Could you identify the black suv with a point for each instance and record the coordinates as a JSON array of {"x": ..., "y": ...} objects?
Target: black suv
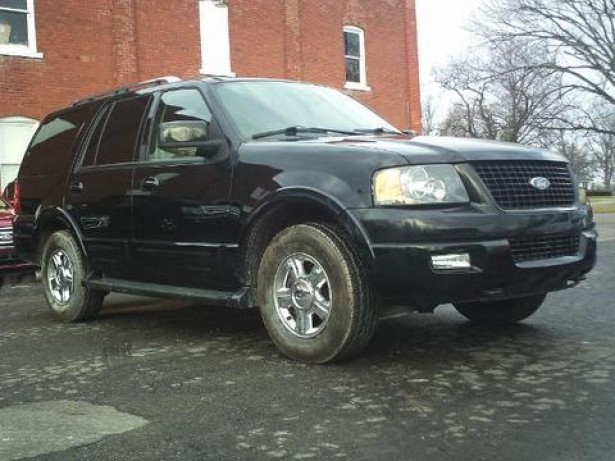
[{"x": 295, "y": 198}]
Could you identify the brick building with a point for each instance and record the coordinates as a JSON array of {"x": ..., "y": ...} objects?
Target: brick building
[{"x": 53, "y": 52}]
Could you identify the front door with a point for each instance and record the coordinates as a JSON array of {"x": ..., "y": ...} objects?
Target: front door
[
  {"x": 99, "y": 189},
  {"x": 181, "y": 214}
]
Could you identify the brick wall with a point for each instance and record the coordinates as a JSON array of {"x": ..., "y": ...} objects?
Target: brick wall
[{"x": 96, "y": 45}]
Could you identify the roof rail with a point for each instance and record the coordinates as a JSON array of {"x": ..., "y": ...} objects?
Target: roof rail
[{"x": 130, "y": 87}]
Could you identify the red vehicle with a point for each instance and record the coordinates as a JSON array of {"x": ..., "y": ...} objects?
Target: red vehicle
[{"x": 9, "y": 262}]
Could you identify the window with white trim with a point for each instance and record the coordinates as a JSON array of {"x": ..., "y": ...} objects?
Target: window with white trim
[
  {"x": 17, "y": 28},
  {"x": 215, "y": 38},
  {"x": 354, "y": 53}
]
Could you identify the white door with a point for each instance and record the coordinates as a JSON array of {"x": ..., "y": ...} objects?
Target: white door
[{"x": 15, "y": 134}]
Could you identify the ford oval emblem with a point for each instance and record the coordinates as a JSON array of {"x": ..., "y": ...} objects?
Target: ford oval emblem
[{"x": 540, "y": 183}]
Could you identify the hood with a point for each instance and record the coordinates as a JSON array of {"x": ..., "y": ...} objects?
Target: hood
[{"x": 426, "y": 149}]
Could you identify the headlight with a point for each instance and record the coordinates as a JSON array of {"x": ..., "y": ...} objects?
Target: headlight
[{"x": 419, "y": 185}]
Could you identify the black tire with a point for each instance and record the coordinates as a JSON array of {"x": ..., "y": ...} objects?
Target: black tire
[
  {"x": 83, "y": 303},
  {"x": 501, "y": 312},
  {"x": 353, "y": 313}
]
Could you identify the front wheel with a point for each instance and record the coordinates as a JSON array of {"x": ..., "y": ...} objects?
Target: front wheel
[
  {"x": 314, "y": 296},
  {"x": 63, "y": 271},
  {"x": 501, "y": 312}
]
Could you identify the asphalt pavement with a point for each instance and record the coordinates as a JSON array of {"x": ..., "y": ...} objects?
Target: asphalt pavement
[{"x": 166, "y": 380}]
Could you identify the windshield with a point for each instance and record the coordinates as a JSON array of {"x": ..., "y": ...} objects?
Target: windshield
[{"x": 258, "y": 108}]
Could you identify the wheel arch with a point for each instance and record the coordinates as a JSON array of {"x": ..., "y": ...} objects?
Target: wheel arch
[
  {"x": 51, "y": 220},
  {"x": 287, "y": 207}
]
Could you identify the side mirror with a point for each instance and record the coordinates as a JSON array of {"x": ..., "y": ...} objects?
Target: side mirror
[
  {"x": 187, "y": 135},
  {"x": 181, "y": 132}
]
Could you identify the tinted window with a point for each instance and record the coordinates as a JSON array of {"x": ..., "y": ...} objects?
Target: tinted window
[
  {"x": 183, "y": 105},
  {"x": 53, "y": 144},
  {"x": 121, "y": 133},
  {"x": 175, "y": 106},
  {"x": 90, "y": 153}
]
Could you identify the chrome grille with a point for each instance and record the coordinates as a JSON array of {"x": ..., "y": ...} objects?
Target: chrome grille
[
  {"x": 6, "y": 237},
  {"x": 509, "y": 183},
  {"x": 544, "y": 247}
]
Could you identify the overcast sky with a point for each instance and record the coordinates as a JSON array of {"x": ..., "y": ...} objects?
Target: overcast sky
[{"x": 441, "y": 33}]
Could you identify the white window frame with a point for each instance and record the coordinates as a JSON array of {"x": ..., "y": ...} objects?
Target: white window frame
[
  {"x": 362, "y": 85},
  {"x": 219, "y": 45},
  {"x": 29, "y": 50}
]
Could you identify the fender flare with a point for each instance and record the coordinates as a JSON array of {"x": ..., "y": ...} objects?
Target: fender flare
[
  {"x": 316, "y": 197},
  {"x": 59, "y": 215}
]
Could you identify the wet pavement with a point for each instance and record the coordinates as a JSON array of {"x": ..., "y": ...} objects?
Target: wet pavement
[{"x": 156, "y": 379}]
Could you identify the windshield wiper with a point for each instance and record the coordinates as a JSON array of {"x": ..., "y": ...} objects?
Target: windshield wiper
[
  {"x": 292, "y": 131},
  {"x": 380, "y": 130}
]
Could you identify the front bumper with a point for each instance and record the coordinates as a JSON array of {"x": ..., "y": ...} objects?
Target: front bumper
[{"x": 402, "y": 243}]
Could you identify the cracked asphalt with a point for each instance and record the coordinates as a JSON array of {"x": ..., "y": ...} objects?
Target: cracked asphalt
[{"x": 165, "y": 380}]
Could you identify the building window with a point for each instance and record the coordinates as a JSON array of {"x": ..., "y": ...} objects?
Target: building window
[
  {"x": 215, "y": 38},
  {"x": 354, "y": 46},
  {"x": 17, "y": 28}
]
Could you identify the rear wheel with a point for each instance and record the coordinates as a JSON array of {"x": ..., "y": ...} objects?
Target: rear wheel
[
  {"x": 314, "y": 296},
  {"x": 501, "y": 312},
  {"x": 63, "y": 272}
]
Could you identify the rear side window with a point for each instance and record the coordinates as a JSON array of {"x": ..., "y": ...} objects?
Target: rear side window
[
  {"x": 53, "y": 145},
  {"x": 120, "y": 135},
  {"x": 92, "y": 147}
]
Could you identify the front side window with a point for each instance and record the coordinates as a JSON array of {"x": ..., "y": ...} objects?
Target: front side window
[
  {"x": 121, "y": 134},
  {"x": 17, "y": 28},
  {"x": 354, "y": 53},
  {"x": 174, "y": 110}
]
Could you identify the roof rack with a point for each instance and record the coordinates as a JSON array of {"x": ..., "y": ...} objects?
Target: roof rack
[{"x": 130, "y": 87}]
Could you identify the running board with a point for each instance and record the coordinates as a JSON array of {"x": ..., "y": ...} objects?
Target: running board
[{"x": 238, "y": 299}]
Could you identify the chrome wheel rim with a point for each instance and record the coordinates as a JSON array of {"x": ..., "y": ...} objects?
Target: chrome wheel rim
[
  {"x": 60, "y": 277},
  {"x": 302, "y": 295}
]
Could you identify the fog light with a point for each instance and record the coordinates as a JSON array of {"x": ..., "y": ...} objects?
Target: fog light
[{"x": 451, "y": 261}]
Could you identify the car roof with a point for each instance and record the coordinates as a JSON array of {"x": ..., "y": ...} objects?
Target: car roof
[{"x": 163, "y": 83}]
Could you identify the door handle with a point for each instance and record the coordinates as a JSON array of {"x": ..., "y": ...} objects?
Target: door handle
[
  {"x": 150, "y": 183},
  {"x": 76, "y": 187}
]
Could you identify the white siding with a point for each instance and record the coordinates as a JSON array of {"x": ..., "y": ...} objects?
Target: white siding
[{"x": 15, "y": 134}]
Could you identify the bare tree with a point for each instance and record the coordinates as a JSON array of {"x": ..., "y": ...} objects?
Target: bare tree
[
  {"x": 574, "y": 147},
  {"x": 580, "y": 37},
  {"x": 603, "y": 153},
  {"x": 501, "y": 95},
  {"x": 459, "y": 122},
  {"x": 428, "y": 116}
]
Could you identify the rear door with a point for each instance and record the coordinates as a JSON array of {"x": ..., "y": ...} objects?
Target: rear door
[
  {"x": 98, "y": 195},
  {"x": 181, "y": 213}
]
